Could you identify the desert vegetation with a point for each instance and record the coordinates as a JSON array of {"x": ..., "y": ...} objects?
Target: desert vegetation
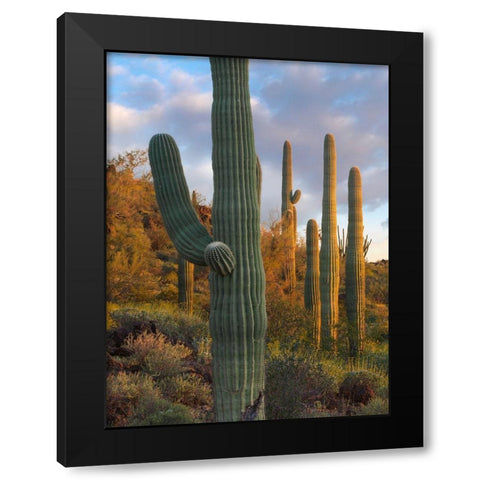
[{"x": 213, "y": 316}]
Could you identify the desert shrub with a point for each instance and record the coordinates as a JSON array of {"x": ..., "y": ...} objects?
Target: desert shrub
[
  {"x": 294, "y": 384},
  {"x": 283, "y": 395},
  {"x": 168, "y": 320},
  {"x": 154, "y": 410},
  {"x": 334, "y": 368},
  {"x": 189, "y": 389},
  {"x": 124, "y": 391},
  {"x": 377, "y": 358},
  {"x": 287, "y": 319},
  {"x": 377, "y": 406},
  {"x": 133, "y": 400},
  {"x": 375, "y": 364},
  {"x": 204, "y": 351},
  {"x": 376, "y": 281},
  {"x": 320, "y": 386},
  {"x": 155, "y": 355},
  {"x": 359, "y": 387},
  {"x": 376, "y": 317},
  {"x": 111, "y": 307}
]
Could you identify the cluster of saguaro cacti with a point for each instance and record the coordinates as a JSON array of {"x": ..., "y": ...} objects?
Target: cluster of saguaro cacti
[
  {"x": 312, "y": 279},
  {"x": 355, "y": 265},
  {"x": 289, "y": 216},
  {"x": 329, "y": 256},
  {"x": 237, "y": 278}
]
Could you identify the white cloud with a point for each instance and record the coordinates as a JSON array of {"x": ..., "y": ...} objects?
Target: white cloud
[
  {"x": 192, "y": 103},
  {"x": 117, "y": 70},
  {"x": 121, "y": 119}
]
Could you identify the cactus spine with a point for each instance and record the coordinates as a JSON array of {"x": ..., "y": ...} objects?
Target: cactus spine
[
  {"x": 329, "y": 255},
  {"x": 355, "y": 265},
  {"x": 185, "y": 285},
  {"x": 237, "y": 281},
  {"x": 289, "y": 216},
  {"x": 312, "y": 279}
]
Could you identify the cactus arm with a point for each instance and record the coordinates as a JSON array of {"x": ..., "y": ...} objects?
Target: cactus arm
[
  {"x": 186, "y": 231},
  {"x": 295, "y": 196}
]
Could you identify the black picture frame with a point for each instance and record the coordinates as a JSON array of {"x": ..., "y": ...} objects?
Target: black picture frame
[{"x": 83, "y": 40}]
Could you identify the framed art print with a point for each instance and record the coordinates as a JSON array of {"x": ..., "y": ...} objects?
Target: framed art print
[{"x": 240, "y": 241}]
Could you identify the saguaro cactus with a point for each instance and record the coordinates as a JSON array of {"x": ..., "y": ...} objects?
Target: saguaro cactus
[
  {"x": 366, "y": 245},
  {"x": 185, "y": 284},
  {"x": 343, "y": 242},
  {"x": 312, "y": 279},
  {"x": 355, "y": 265},
  {"x": 237, "y": 280},
  {"x": 289, "y": 216},
  {"x": 185, "y": 271},
  {"x": 329, "y": 255}
]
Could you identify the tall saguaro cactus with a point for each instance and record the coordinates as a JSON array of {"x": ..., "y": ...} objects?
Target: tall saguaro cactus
[
  {"x": 355, "y": 265},
  {"x": 312, "y": 279},
  {"x": 329, "y": 256},
  {"x": 237, "y": 280},
  {"x": 289, "y": 216}
]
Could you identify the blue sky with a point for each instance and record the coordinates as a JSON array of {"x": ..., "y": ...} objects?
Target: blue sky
[{"x": 295, "y": 101}]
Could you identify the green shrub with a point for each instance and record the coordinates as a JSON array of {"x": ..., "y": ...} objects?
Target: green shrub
[
  {"x": 376, "y": 282},
  {"x": 377, "y": 324},
  {"x": 376, "y": 360},
  {"x": 189, "y": 389},
  {"x": 168, "y": 320},
  {"x": 287, "y": 319},
  {"x": 133, "y": 400},
  {"x": 155, "y": 410},
  {"x": 110, "y": 323},
  {"x": 377, "y": 406},
  {"x": 124, "y": 391},
  {"x": 283, "y": 395},
  {"x": 294, "y": 384}
]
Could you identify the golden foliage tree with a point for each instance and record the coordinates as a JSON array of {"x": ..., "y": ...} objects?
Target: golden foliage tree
[{"x": 136, "y": 238}]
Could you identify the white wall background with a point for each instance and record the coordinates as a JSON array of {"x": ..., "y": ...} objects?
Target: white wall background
[{"x": 27, "y": 238}]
